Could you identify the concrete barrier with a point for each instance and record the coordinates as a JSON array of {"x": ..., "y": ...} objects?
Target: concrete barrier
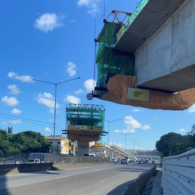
[
  {"x": 135, "y": 187},
  {"x": 78, "y": 165},
  {"x": 23, "y": 168},
  {"x": 27, "y": 168}
]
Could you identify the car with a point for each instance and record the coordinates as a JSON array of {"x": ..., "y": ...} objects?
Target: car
[
  {"x": 113, "y": 160},
  {"x": 124, "y": 161},
  {"x": 90, "y": 154},
  {"x": 140, "y": 162},
  {"x": 144, "y": 161},
  {"x": 31, "y": 161}
]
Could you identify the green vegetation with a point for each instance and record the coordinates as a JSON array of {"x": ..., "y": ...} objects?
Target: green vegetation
[
  {"x": 25, "y": 142},
  {"x": 173, "y": 143}
]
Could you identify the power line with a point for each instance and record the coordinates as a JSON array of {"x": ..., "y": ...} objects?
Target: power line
[
  {"x": 8, "y": 116},
  {"x": 24, "y": 118}
]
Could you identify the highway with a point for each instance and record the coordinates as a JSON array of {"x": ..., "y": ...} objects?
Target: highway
[{"x": 108, "y": 179}]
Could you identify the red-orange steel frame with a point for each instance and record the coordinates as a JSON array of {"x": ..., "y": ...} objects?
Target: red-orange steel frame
[{"x": 115, "y": 12}]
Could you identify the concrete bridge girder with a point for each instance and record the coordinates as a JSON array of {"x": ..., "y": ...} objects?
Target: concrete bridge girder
[{"x": 168, "y": 55}]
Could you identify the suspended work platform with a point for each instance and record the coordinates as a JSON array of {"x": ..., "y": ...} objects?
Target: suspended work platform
[{"x": 85, "y": 122}]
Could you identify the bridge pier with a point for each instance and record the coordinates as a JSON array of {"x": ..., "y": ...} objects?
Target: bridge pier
[{"x": 83, "y": 148}]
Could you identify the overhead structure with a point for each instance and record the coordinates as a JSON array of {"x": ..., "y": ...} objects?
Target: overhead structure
[
  {"x": 115, "y": 59},
  {"x": 85, "y": 122}
]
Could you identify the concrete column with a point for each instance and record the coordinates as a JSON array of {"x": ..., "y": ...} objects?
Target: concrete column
[{"x": 83, "y": 148}]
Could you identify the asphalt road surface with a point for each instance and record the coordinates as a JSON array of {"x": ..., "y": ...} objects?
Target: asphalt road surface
[{"x": 101, "y": 180}]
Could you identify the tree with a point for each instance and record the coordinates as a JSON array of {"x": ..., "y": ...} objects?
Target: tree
[
  {"x": 24, "y": 142},
  {"x": 172, "y": 144}
]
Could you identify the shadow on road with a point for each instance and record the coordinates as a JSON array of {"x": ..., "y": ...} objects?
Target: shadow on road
[
  {"x": 21, "y": 168},
  {"x": 3, "y": 186},
  {"x": 119, "y": 188}
]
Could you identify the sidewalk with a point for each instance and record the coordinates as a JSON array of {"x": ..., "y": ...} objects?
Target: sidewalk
[{"x": 157, "y": 190}]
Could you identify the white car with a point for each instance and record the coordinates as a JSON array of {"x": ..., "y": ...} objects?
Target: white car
[
  {"x": 31, "y": 161},
  {"x": 124, "y": 161},
  {"x": 113, "y": 160}
]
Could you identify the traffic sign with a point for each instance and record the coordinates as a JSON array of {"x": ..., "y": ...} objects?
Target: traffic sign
[{"x": 89, "y": 96}]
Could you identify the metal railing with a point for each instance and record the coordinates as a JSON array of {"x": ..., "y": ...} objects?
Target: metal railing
[
  {"x": 179, "y": 174},
  {"x": 19, "y": 158},
  {"x": 132, "y": 18}
]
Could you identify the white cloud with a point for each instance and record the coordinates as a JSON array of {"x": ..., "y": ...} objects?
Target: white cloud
[
  {"x": 136, "y": 110},
  {"x": 47, "y": 99},
  {"x": 182, "y": 130},
  {"x": 23, "y": 78},
  {"x": 72, "y": 99},
  {"x": 12, "y": 122},
  {"x": 145, "y": 127},
  {"x": 131, "y": 122},
  {"x": 92, "y": 5},
  {"x": 11, "y": 74},
  {"x": 78, "y": 91},
  {"x": 125, "y": 131},
  {"x": 192, "y": 108},
  {"x": 10, "y": 101},
  {"x": 131, "y": 125},
  {"x": 50, "y": 120},
  {"x": 16, "y": 111},
  {"x": 14, "y": 89},
  {"x": 47, "y": 129},
  {"x": 71, "y": 68},
  {"x": 48, "y": 22},
  {"x": 90, "y": 84}
]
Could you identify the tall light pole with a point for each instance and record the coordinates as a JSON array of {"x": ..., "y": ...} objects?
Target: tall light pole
[
  {"x": 55, "y": 84},
  {"x": 109, "y": 132},
  {"x": 109, "y": 126},
  {"x": 126, "y": 137},
  {"x": 134, "y": 145}
]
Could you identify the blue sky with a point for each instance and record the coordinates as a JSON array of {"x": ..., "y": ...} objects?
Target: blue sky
[{"x": 54, "y": 41}]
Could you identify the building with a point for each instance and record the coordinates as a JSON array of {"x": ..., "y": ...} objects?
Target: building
[{"x": 62, "y": 145}]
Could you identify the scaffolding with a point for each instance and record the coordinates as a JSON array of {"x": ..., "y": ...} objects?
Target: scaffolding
[
  {"x": 85, "y": 122},
  {"x": 110, "y": 61}
]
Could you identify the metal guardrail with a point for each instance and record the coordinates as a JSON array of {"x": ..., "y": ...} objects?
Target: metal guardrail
[{"x": 179, "y": 174}]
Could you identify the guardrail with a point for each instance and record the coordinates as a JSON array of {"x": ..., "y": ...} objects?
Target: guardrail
[{"x": 178, "y": 174}]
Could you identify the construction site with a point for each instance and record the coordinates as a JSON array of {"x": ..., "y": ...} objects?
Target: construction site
[
  {"x": 85, "y": 124},
  {"x": 130, "y": 68}
]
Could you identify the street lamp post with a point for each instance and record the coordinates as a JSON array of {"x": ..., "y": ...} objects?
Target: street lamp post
[
  {"x": 126, "y": 137},
  {"x": 134, "y": 145},
  {"x": 109, "y": 132},
  {"x": 55, "y": 84},
  {"x": 109, "y": 126}
]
